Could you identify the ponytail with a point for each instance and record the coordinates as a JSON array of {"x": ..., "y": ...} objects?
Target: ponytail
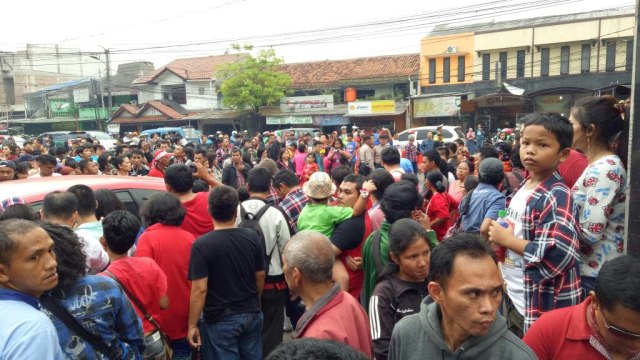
[{"x": 435, "y": 178}]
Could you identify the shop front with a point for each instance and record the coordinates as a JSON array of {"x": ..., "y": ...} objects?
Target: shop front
[
  {"x": 500, "y": 110},
  {"x": 437, "y": 109},
  {"x": 367, "y": 115}
]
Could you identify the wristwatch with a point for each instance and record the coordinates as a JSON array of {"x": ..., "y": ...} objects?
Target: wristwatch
[{"x": 364, "y": 193}]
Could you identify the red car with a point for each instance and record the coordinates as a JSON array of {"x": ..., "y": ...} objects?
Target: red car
[{"x": 132, "y": 191}]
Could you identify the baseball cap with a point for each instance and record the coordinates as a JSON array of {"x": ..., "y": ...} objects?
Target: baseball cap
[
  {"x": 8, "y": 163},
  {"x": 319, "y": 186},
  {"x": 159, "y": 154},
  {"x": 490, "y": 166},
  {"x": 4, "y": 204}
]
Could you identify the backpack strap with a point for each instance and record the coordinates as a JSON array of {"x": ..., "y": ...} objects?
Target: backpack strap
[
  {"x": 375, "y": 248},
  {"x": 97, "y": 343}
]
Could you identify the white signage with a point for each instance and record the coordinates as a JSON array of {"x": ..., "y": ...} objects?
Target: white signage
[
  {"x": 292, "y": 104},
  {"x": 113, "y": 128},
  {"x": 81, "y": 95}
]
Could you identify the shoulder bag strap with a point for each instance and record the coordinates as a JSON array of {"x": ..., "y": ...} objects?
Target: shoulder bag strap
[
  {"x": 61, "y": 313},
  {"x": 135, "y": 301}
]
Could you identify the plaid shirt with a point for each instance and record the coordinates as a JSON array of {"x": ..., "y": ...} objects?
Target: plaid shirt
[
  {"x": 551, "y": 259},
  {"x": 292, "y": 205},
  {"x": 411, "y": 152},
  {"x": 98, "y": 303}
]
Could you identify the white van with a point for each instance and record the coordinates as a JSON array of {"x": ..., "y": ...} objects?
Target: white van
[{"x": 451, "y": 134}]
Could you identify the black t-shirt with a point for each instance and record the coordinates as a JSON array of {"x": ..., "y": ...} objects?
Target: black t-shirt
[
  {"x": 349, "y": 233},
  {"x": 229, "y": 258}
]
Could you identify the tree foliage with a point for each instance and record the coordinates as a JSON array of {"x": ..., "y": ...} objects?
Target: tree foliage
[{"x": 252, "y": 82}]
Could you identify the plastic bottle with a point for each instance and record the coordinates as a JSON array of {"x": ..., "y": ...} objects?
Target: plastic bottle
[{"x": 501, "y": 251}]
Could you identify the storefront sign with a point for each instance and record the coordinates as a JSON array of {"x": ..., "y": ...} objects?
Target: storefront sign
[
  {"x": 436, "y": 106},
  {"x": 81, "y": 95},
  {"x": 553, "y": 103},
  {"x": 499, "y": 100},
  {"x": 371, "y": 107},
  {"x": 289, "y": 120},
  {"x": 296, "y": 103},
  {"x": 330, "y": 120}
]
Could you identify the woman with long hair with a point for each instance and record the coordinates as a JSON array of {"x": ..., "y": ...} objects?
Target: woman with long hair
[
  {"x": 337, "y": 155},
  {"x": 104, "y": 164},
  {"x": 107, "y": 202},
  {"x": 441, "y": 206},
  {"x": 403, "y": 283},
  {"x": 599, "y": 193},
  {"x": 214, "y": 168},
  {"x": 105, "y": 311},
  {"x": 284, "y": 160}
]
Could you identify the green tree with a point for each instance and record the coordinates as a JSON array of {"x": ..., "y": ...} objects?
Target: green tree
[{"x": 253, "y": 82}]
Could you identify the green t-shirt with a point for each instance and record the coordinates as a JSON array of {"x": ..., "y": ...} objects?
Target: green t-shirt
[
  {"x": 369, "y": 264},
  {"x": 322, "y": 218}
]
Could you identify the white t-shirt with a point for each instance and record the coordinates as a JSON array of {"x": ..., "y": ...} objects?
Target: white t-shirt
[{"x": 513, "y": 265}]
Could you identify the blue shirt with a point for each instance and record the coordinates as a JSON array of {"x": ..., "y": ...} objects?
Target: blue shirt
[
  {"x": 99, "y": 304},
  {"x": 486, "y": 201},
  {"x": 26, "y": 333}
]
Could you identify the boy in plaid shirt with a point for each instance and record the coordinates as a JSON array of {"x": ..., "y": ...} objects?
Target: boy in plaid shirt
[
  {"x": 411, "y": 153},
  {"x": 541, "y": 263}
]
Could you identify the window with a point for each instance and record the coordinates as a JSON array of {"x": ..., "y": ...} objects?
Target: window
[
  {"x": 503, "y": 65},
  {"x": 629, "y": 63},
  {"x": 544, "y": 62},
  {"x": 365, "y": 94},
  {"x": 432, "y": 71},
  {"x": 585, "y": 58},
  {"x": 564, "y": 60},
  {"x": 486, "y": 66},
  {"x": 200, "y": 91},
  {"x": 446, "y": 70},
  {"x": 175, "y": 93},
  {"x": 520, "y": 64},
  {"x": 461, "y": 68},
  {"x": 610, "y": 64}
]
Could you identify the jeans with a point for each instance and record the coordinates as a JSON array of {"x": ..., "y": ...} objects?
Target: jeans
[{"x": 236, "y": 336}]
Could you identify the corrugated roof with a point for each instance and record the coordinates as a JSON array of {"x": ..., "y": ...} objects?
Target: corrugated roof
[
  {"x": 199, "y": 68},
  {"x": 478, "y": 28},
  {"x": 334, "y": 72}
]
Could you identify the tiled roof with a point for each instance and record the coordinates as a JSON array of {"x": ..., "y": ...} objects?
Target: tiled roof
[
  {"x": 164, "y": 108},
  {"x": 200, "y": 68},
  {"x": 371, "y": 69}
]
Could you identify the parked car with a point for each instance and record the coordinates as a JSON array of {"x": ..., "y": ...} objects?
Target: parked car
[
  {"x": 451, "y": 134},
  {"x": 19, "y": 140},
  {"x": 189, "y": 133},
  {"x": 64, "y": 138},
  {"x": 132, "y": 191},
  {"x": 105, "y": 139}
]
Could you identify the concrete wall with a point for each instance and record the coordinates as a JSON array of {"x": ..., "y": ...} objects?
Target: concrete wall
[
  {"x": 200, "y": 100},
  {"x": 437, "y": 47}
]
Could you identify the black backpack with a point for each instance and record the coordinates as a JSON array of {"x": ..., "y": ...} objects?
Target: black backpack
[{"x": 251, "y": 221}]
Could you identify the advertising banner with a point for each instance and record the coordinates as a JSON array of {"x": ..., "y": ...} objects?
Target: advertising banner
[
  {"x": 297, "y": 103},
  {"x": 81, "y": 95},
  {"x": 289, "y": 120},
  {"x": 436, "y": 106},
  {"x": 371, "y": 107}
]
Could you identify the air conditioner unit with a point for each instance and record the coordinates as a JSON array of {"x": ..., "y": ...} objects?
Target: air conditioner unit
[{"x": 452, "y": 49}]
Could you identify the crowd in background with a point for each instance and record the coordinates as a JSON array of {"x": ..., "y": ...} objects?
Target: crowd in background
[{"x": 506, "y": 246}]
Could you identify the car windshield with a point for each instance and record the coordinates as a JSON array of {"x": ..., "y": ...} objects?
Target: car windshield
[{"x": 101, "y": 136}]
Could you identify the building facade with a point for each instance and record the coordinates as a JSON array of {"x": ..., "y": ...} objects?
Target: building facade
[{"x": 498, "y": 72}]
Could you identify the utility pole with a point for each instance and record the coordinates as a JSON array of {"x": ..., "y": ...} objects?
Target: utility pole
[{"x": 110, "y": 100}]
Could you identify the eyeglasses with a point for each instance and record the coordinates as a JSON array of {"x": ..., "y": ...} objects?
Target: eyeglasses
[{"x": 619, "y": 332}]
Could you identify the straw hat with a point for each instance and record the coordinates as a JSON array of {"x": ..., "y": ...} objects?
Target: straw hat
[{"x": 319, "y": 186}]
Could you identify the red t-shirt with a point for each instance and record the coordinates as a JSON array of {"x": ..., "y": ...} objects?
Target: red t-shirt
[
  {"x": 573, "y": 167},
  {"x": 170, "y": 247},
  {"x": 197, "y": 221},
  {"x": 440, "y": 206},
  {"x": 154, "y": 172},
  {"x": 145, "y": 280}
]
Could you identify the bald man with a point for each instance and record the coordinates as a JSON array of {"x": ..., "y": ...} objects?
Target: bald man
[{"x": 332, "y": 314}]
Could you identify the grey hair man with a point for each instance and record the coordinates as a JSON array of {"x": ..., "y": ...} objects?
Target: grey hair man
[{"x": 331, "y": 314}]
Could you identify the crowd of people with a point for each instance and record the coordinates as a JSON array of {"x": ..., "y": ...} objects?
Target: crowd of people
[{"x": 508, "y": 250}]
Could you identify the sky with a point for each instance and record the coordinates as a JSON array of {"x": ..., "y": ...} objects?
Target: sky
[{"x": 299, "y": 31}]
